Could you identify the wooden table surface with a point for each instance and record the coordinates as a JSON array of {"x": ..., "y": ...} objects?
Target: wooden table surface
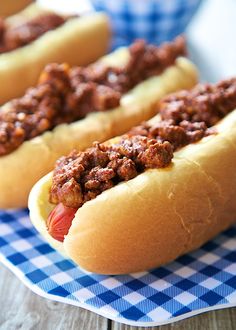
[{"x": 22, "y": 309}]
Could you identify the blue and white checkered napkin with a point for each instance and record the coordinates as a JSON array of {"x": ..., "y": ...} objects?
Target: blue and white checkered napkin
[
  {"x": 202, "y": 280},
  {"x": 154, "y": 20}
]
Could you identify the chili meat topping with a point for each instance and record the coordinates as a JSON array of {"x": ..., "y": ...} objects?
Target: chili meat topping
[
  {"x": 64, "y": 95},
  {"x": 12, "y": 38},
  {"x": 186, "y": 117}
]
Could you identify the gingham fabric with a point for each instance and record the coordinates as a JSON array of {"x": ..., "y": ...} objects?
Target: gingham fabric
[
  {"x": 154, "y": 20},
  {"x": 194, "y": 283}
]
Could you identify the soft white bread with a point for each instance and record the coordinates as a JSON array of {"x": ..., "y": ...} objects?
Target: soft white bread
[
  {"x": 34, "y": 158},
  {"x": 155, "y": 217},
  {"x": 11, "y": 7},
  {"x": 78, "y": 41}
]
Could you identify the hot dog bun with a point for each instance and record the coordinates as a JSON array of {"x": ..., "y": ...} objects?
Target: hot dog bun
[
  {"x": 11, "y": 7},
  {"x": 155, "y": 217},
  {"x": 78, "y": 41},
  {"x": 36, "y": 157}
]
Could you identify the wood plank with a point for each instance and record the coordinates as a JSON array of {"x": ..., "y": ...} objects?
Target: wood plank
[
  {"x": 224, "y": 319},
  {"x": 22, "y": 309}
]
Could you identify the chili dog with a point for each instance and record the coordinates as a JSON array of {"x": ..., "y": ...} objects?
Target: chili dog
[
  {"x": 72, "y": 107},
  {"x": 140, "y": 200},
  {"x": 37, "y": 36}
]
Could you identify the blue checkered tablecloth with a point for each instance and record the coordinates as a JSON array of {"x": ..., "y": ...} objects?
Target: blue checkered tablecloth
[
  {"x": 154, "y": 20},
  {"x": 202, "y": 280}
]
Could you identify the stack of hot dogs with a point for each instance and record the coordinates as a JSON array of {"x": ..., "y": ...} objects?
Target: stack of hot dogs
[{"x": 127, "y": 193}]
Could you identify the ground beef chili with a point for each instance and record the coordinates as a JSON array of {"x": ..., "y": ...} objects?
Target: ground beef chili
[
  {"x": 15, "y": 37},
  {"x": 84, "y": 175},
  {"x": 64, "y": 95},
  {"x": 186, "y": 117},
  {"x": 205, "y": 103}
]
